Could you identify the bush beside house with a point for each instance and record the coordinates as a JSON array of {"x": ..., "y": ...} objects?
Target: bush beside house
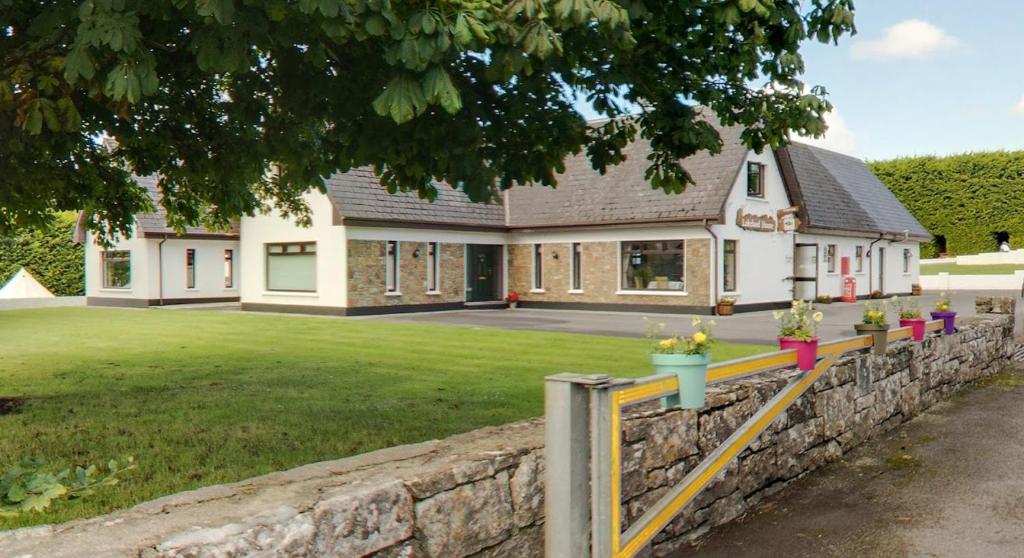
[
  {"x": 966, "y": 199},
  {"x": 49, "y": 254}
]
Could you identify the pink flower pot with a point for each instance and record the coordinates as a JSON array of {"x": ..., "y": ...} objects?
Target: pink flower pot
[
  {"x": 806, "y": 351},
  {"x": 916, "y": 326}
]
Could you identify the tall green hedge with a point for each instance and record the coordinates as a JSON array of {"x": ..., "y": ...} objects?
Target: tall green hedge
[
  {"x": 49, "y": 254},
  {"x": 965, "y": 198}
]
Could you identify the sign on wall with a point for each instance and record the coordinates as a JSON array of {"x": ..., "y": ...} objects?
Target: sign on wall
[{"x": 784, "y": 220}]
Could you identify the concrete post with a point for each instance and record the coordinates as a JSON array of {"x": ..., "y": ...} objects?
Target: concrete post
[{"x": 567, "y": 464}]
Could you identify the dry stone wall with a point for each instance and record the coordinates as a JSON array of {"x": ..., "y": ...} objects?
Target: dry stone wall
[{"x": 481, "y": 494}]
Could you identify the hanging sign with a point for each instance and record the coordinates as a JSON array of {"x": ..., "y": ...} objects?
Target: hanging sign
[{"x": 784, "y": 220}]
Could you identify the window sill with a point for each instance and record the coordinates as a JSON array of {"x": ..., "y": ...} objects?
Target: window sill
[
  {"x": 301, "y": 294},
  {"x": 575, "y": 291},
  {"x": 433, "y": 293},
  {"x": 757, "y": 199},
  {"x": 731, "y": 293},
  {"x": 653, "y": 293},
  {"x": 116, "y": 290},
  {"x": 537, "y": 291},
  {"x": 396, "y": 293}
]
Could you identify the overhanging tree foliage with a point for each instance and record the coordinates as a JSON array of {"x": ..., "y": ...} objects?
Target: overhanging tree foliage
[
  {"x": 964, "y": 198},
  {"x": 212, "y": 94}
]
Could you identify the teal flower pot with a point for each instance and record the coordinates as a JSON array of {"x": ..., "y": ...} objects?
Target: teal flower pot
[{"x": 692, "y": 371}]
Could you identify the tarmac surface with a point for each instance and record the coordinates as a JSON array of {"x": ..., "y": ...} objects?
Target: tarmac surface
[
  {"x": 747, "y": 327},
  {"x": 946, "y": 484}
]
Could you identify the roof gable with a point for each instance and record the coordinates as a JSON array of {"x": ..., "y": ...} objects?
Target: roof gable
[
  {"x": 840, "y": 192},
  {"x": 155, "y": 224}
]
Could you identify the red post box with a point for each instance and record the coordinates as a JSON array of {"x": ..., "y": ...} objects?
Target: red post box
[{"x": 849, "y": 289}]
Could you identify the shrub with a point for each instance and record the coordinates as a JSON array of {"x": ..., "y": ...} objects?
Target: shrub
[
  {"x": 965, "y": 198},
  {"x": 49, "y": 254}
]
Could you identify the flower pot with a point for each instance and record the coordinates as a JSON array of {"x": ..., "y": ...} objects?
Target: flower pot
[
  {"x": 948, "y": 321},
  {"x": 692, "y": 371},
  {"x": 879, "y": 336},
  {"x": 915, "y": 290},
  {"x": 725, "y": 309},
  {"x": 806, "y": 351},
  {"x": 916, "y": 326},
  {"x": 513, "y": 304}
]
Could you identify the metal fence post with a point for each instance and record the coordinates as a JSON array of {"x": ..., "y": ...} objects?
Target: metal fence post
[{"x": 567, "y": 464}]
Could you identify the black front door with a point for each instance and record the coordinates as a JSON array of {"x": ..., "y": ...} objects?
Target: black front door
[{"x": 483, "y": 273}]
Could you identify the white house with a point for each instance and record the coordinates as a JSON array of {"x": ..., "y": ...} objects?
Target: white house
[
  {"x": 156, "y": 266},
  {"x": 762, "y": 228}
]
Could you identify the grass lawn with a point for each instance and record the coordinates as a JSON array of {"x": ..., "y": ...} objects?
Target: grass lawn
[
  {"x": 202, "y": 397},
  {"x": 954, "y": 269}
]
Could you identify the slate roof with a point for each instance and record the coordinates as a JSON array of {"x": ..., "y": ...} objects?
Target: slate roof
[
  {"x": 156, "y": 223},
  {"x": 622, "y": 195},
  {"x": 839, "y": 192},
  {"x": 358, "y": 196}
]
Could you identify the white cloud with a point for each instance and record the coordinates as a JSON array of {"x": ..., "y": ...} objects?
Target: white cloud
[
  {"x": 912, "y": 38},
  {"x": 1019, "y": 107},
  {"x": 838, "y": 137}
]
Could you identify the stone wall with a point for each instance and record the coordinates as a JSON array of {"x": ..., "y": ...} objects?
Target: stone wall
[
  {"x": 366, "y": 269},
  {"x": 480, "y": 494},
  {"x": 600, "y": 275}
]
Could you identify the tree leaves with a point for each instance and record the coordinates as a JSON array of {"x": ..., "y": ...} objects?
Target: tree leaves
[
  {"x": 27, "y": 487},
  {"x": 212, "y": 94}
]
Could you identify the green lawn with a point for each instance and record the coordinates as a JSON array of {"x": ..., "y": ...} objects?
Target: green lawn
[
  {"x": 954, "y": 269},
  {"x": 201, "y": 398}
]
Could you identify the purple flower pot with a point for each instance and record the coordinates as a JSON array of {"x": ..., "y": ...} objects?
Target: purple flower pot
[
  {"x": 916, "y": 327},
  {"x": 948, "y": 321},
  {"x": 806, "y": 351}
]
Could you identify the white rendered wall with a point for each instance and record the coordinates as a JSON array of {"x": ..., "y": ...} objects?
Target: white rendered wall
[
  {"x": 946, "y": 282},
  {"x": 896, "y": 281},
  {"x": 209, "y": 264},
  {"x": 992, "y": 258},
  {"x": 331, "y": 276},
  {"x": 140, "y": 265},
  {"x": 764, "y": 260}
]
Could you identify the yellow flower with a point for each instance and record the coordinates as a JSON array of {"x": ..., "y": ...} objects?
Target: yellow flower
[
  {"x": 667, "y": 343},
  {"x": 699, "y": 337},
  {"x": 818, "y": 316}
]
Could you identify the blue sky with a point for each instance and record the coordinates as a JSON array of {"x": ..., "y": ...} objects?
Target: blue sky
[{"x": 924, "y": 77}]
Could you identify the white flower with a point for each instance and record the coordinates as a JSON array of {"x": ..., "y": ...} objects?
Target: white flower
[
  {"x": 778, "y": 314},
  {"x": 695, "y": 321}
]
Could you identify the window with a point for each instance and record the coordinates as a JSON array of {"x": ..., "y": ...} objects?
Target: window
[
  {"x": 859, "y": 257},
  {"x": 830, "y": 257},
  {"x": 117, "y": 269},
  {"x": 907, "y": 256},
  {"x": 391, "y": 267},
  {"x": 538, "y": 267},
  {"x": 575, "y": 261},
  {"x": 653, "y": 266},
  {"x": 729, "y": 265},
  {"x": 291, "y": 267},
  {"x": 190, "y": 268},
  {"x": 755, "y": 180},
  {"x": 229, "y": 269},
  {"x": 432, "y": 268}
]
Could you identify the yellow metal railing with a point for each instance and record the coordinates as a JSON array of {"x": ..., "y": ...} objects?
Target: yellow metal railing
[{"x": 625, "y": 392}]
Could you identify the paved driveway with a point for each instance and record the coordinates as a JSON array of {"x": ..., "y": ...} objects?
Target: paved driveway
[{"x": 750, "y": 327}]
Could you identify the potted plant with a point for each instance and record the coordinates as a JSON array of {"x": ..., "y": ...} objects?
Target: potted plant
[
  {"x": 512, "y": 299},
  {"x": 876, "y": 294},
  {"x": 915, "y": 289},
  {"x": 910, "y": 316},
  {"x": 943, "y": 311},
  {"x": 687, "y": 358},
  {"x": 726, "y": 306},
  {"x": 874, "y": 323},
  {"x": 823, "y": 299},
  {"x": 797, "y": 329},
  {"x": 643, "y": 276}
]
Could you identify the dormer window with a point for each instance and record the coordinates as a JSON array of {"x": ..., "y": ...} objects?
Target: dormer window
[{"x": 755, "y": 180}]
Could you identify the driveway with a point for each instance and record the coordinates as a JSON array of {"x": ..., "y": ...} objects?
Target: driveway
[
  {"x": 946, "y": 484},
  {"x": 749, "y": 327},
  {"x": 23, "y": 303}
]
